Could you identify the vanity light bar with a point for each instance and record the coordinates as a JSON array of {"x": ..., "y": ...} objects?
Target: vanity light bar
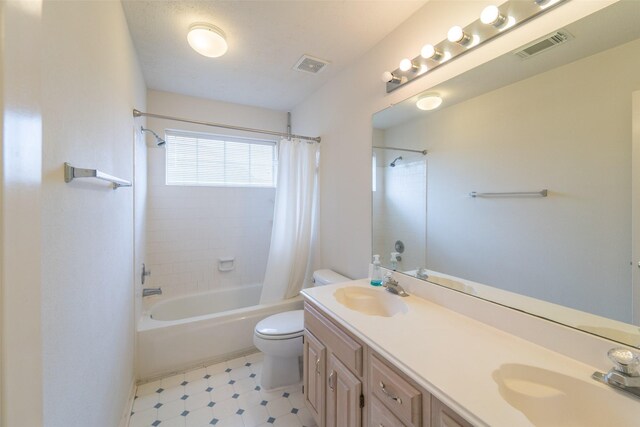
[{"x": 494, "y": 21}]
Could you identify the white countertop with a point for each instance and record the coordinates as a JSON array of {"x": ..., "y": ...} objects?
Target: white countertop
[{"x": 454, "y": 357}]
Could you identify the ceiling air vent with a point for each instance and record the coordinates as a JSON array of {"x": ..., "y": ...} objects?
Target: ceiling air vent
[
  {"x": 309, "y": 64},
  {"x": 541, "y": 45}
]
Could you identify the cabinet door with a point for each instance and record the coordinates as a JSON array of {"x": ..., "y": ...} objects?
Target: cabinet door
[
  {"x": 343, "y": 396},
  {"x": 443, "y": 416},
  {"x": 314, "y": 374}
]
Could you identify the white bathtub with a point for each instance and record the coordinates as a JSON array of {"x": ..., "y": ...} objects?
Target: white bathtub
[{"x": 185, "y": 332}]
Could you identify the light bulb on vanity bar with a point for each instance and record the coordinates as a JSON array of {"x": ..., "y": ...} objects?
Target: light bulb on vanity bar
[
  {"x": 406, "y": 64},
  {"x": 491, "y": 16},
  {"x": 388, "y": 77},
  {"x": 430, "y": 52},
  {"x": 457, "y": 35}
]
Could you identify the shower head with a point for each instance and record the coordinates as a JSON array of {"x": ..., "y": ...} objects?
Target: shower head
[
  {"x": 159, "y": 141},
  {"x": 393, "y": 164}
]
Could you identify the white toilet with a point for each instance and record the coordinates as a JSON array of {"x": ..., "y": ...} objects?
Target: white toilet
[{"x": 279, "y": 337}]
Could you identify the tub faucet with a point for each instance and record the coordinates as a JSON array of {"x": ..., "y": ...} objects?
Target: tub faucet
[
  {"x": 151, "y": 291},
  {"x": 392, "y": 286},
  {"x": 625, "y": 374}
]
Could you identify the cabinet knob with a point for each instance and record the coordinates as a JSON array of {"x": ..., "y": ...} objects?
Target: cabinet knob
[
  {"x": 318, "y": 366},
  {"x": 331, "y": 375}
]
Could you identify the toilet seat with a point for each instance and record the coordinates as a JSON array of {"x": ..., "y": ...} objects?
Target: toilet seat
[
  {"x": 279, "y": 337},
  {"x": 281, "y": 326}
]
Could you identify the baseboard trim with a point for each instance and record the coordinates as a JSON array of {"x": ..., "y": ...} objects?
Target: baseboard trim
[
  {"x": 200, "y": 364},
  {"x": 128, "y": 408}
]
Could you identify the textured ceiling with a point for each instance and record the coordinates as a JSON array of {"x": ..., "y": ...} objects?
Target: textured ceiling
[{"x": 266, "y": 39}]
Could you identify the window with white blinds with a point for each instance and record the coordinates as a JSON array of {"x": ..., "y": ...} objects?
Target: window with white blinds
[{"x": 215, "y": 160}]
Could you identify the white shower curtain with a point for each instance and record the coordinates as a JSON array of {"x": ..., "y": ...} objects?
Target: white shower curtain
[{"x": 294, "y": 221}]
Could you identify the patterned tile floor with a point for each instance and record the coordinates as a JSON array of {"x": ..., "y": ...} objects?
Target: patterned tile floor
[{"x": 224, "y": 394}]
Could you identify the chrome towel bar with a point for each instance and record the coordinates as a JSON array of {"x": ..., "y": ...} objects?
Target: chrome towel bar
[
  {"x": 541, "y": 193},
  {"x": 71, "y": 172}
]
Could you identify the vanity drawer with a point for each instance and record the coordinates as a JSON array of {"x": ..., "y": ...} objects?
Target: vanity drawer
[
  {"x": 381, "y": 416},
  {"x": 348, "y": 350},
  {"x": 443, "y": 416},
  {"x": 404, "y": 400}
]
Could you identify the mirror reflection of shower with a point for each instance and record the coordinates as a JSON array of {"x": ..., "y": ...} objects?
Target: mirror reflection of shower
[
  {"x": 393, "y": 164},
  {"x": 399, "y": 197}
]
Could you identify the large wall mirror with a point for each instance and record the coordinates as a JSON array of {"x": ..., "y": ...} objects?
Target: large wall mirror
[{"x": 551, "y": 116}]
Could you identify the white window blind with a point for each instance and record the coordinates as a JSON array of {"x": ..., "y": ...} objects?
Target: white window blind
[{"x": 204, "y": 159}]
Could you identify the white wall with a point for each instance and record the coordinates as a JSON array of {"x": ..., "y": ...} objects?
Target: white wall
[
  {"x": 565, "y": 137},
  {"x": 341, "y": 113},
  {"x": 139, "y": 209},
  {"x": 21, "y": 204},
  {"x": 81, "y": 353},
  {"x": 190, "y": 227}
]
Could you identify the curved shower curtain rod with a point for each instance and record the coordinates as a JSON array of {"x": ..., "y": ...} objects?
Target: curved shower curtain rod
[{"x": 138, "y": 113}]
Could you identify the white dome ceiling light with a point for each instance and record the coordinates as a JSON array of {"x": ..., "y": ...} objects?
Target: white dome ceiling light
[
  {"x": 208, "y": 40},
  {"x": 429, "y": 102}
]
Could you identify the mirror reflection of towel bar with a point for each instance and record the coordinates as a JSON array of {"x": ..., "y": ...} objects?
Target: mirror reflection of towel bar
[{"x": 541, "y": 193}]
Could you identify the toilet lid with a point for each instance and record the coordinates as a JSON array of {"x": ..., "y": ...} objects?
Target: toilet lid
[{"x": 287, "y": 323}]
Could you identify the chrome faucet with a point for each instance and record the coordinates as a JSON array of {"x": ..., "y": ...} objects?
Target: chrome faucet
[
  {"x": 422, "y": 274},
  {"x": 392, "y": 286},
  {"x": 625, "y": 374},
  {"x": 145, "y": 272},
  {"x": 151, "y": 291}
]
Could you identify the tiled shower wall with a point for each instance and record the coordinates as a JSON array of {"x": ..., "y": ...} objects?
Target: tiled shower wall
[{"x": 189, "y": 228}]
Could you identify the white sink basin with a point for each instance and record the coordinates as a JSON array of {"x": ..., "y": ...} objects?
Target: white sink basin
[
  {"x": 374, "y": 302},
  {"x": 549, "y": 398}
]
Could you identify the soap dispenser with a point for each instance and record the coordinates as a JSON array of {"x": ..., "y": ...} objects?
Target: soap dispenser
[
  {"x": 376, "y": 272},
  {"x": 395, "y": 257}
]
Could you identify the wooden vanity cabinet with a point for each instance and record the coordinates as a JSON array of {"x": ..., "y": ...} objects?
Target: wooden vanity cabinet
[
  {"x": 396, "y": 392},
  {"x": 346, "y": 384},
  {"x": 344, "y": 396},
  {"x": 333, "y": 372},
  {"x": 443, "y": 416},
  {"x": 314, "y": 358}
]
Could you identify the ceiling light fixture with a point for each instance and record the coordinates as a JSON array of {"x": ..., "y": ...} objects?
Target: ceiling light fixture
[
  {"x": 429, "y": 102},
  {"x": 208, "y": 40},
  {"x": 494, "y": 21},
  {"x": 388, "y": 76},
  {"x": 406, "y": 64},
  {"x": 491, "y": 16},
  {"x": 430, "y": 52},
  {"x": 545, "y": 3},
  {"x": 457, "y": 35}
]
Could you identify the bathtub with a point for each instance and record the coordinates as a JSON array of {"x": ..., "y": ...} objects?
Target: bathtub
[{"x": 185, "y": 332}]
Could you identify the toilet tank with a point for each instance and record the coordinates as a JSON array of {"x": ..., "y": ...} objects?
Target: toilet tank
[{"x": 327, "y": 277}]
